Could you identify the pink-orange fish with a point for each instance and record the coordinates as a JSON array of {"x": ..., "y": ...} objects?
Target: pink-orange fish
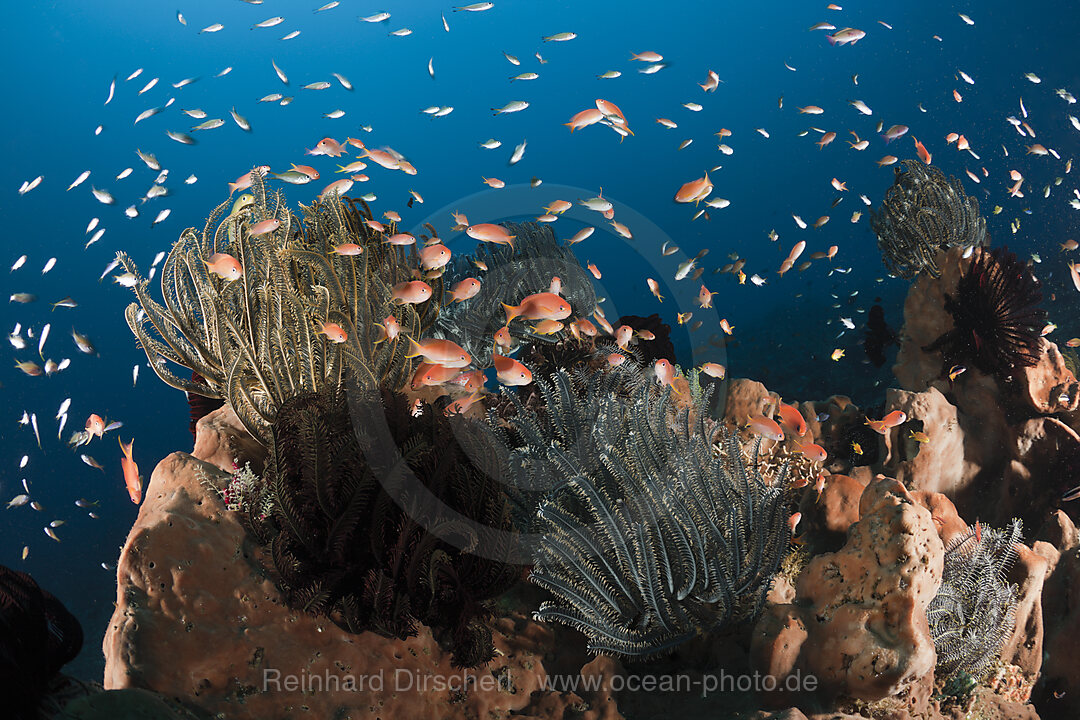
[
  {"x": 439, "y": 352},
  {"x": 389, "y": 329},
  {"x": 95, "y": 425},
  {"x": 921, "y": 150},
  {"x": 665, "y": 373},
  {"x": 264, "y": 226},
  {"x": 539, "y": 306},
  {"x": 715, "y": 370},
  {"x": 584, "y": 119},
  {"x": 410, "y": 293},
  {"x": 348, "y": 249},
  {"x": 812, "y": 451},
  {"x": 492, "y": 233},
  {"x": 694, "y": 191},
  {"x": 502, "y": 337},
  {"x": 225, "y": 266},
  {"x": 510, "y": 372},
  {"x": 896, "y": 417},
  {"x": 429, "y": 374},
  {"x": 244, "y": 181},
  {"x": 132, "y": 481},
  {"x": 327, "y": 146},
  {"x": 465, "y": 289},
  {"x": 333, "y": 332},
  {"x": 766, "y": 427},
  {"x": 792, "y": 419},
  {"x": 434, "y": 257}
]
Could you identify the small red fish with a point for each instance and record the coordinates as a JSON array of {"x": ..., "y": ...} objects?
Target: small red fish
[
  {"x": 925, "y": 156},
  {"x": 131, "y": 472},
  {"x": 896, "y": 417}
]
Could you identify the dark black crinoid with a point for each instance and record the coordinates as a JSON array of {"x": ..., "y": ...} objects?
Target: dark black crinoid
[
  {"x": 387, "y": 527},
  {"x": 997, "y": 320},
  {"x": 38, "y": 636}
]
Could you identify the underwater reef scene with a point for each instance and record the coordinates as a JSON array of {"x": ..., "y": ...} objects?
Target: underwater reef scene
[{"x": 514, "y": 450}]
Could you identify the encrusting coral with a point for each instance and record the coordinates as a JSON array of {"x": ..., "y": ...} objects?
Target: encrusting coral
[
  {"x": 254, "y": 340},
  {"x": 924, "y": 212},
  {"x": 649, "y": 537}
]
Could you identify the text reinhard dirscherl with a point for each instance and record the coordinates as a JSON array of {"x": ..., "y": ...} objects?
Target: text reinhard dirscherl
[{"x": 406, "y": 680}]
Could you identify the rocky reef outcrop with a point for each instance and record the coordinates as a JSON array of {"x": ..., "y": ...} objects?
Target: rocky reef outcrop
[{"x": 198, "y": 616}]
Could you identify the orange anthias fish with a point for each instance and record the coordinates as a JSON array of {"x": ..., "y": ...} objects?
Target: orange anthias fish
[
  {"x": 510, "y": 371},
  {"x": 694, "y": 191},
  {"x": 471, "y": 381},
  {"x": 812, "y": 451},
  {"x": 412, "y": 292},
  {"x": 665, "y": 373},
  {"x": 766, "y": 427},
  {"x": 715, "y": 370},
  {"x": 465, "y": 289},
  {"x": 540, "y": 306},
  {"x": 896, "y": 417},
  {"x": 492, "y": 233},
  {"x": 439, "y": 352},
  {"x": 306, "y": 170},
  {"x": 389, "y": 329},
  {"x": 925, "y": 156},
  {"x": 95, "y": 425},
  {"x": 584, "y": 119},
  {"x": 333, "y": 332},
  {"x": 263, "y": 227},
  {"x": 428, "y": 374},
  {"x": 792, "y": 419},
  {"x": 327, "y": 146},
  {"x": 433, "y": 257},
  {"x": 131, "y": 472},
  {"x": 244, "y": 181},
  {"x": 348, "y": 249},
  {"x": 225, "y": 266}
]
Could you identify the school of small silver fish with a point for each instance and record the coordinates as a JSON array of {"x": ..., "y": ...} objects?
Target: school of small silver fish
[{"x": 828, "y": 137}]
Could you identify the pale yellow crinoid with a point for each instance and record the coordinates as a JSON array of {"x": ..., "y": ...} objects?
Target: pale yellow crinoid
[{"x": 255, "y": 341}]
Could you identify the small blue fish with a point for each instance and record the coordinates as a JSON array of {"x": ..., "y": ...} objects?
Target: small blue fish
[{"x": 822, "y": 417}]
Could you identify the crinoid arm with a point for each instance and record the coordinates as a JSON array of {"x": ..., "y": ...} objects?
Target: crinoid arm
[{"x": 648, "y": 536}]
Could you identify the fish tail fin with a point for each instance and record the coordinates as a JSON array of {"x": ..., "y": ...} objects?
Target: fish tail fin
[
  {"x": 511, "y": 311},
  {"x": 415, "y": 349}
]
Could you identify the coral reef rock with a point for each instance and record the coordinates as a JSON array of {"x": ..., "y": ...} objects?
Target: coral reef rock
[
  {"x": 1048, "y": 386},
  {"x": 858, "y": 624},
  {"x": 937, "y": 465},
  {"x": 197, "y": 617},
  {"x": 1057, "y": 694}
]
